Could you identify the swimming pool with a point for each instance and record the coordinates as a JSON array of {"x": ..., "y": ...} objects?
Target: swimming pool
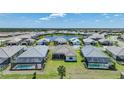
[
  {"x": 52, "y": 38},
  {"x": 24, "y": 66}
]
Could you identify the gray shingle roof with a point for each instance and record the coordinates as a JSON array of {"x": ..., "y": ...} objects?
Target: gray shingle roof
[
  {"x": 116, "y": 50},
  {"x": 2, "y": 60},
  {"x": 90, "y": 51},
  {"x": 37, "y": 51},
  {"x": 33, "y": 55},
  {"x": 64, "y": 49},
  {"x": 89, "y": 40},
  {"x": 11, "y": 50},
  {"x": 60, "y": 40}
]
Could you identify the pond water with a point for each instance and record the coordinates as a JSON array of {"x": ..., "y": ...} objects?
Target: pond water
[{"x": 52, "y": 38}]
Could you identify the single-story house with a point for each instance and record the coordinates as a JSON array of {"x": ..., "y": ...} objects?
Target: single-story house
[
  {"x": 15, "y": 41},
  {"x": 94, "y": 58},
  {"x": 43, "y": 41},
  {"x": 64, "y": 52},
  {"x": 97, "y": 36},
  {"x": 36, "y": 36},
  {"x": 8, "y": 55},
  {"x": 74, "y": 41},
  {"x": 89, "y": 41},
  {"x": 116, "y": 52},
  {"x": 31, "y": 59},
  {"x": 86, "y": 35},
  {"x": 28, "y": 42},
  {"x": 105, "y": 42},
  {"x": 60, "y": 41}
]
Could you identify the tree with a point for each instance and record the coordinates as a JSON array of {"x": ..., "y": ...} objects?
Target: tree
[
  {"x": 34, "y": 75},
  {"x": 61, "y": 71}
]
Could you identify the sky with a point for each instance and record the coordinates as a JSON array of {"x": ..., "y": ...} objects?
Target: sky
[{"x": 61, "y": 20}]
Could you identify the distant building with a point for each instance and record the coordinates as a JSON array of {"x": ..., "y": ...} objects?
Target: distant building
[
  {"x": 28, "y": 42},
  {"x": 105, "y": 42},
  {"x": 89, "y": 41},
  {"x": 43, "y": 41},
  {"x": 15, "y": 41},
  {"x": 74, "y": 41},
  {"x": 60, "y": 41},
  {"x": 97, "y": 36}
]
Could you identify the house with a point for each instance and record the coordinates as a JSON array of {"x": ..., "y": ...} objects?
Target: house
[
  {"x": 8, "y": 55},
  {"x": 60, "y": 41},
  {"x": 43, "y": 41},
  {"x": 28, "y": 42},
  {"x": 32, "y": 59},
  {"x": 64, "y": 52},
  {"x": 86, "y": 35},
  {"x": 116, "y": 52},
  {"x": 14, "y": 41},
  {"x": 89, "y": 41},
  {"x": 97, "y": 36},
  {"x": 94, "y": 58},
  {"x": 74, "y": 41},
  {"x": 105, "y": 42}
]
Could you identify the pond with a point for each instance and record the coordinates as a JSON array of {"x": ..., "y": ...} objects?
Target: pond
[{"x": 52, "y": 38}]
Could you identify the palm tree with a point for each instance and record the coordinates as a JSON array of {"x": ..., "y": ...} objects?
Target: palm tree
[{"x": 61, "y": 71}]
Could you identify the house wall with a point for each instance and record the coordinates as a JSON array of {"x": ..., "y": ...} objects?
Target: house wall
[
  {"x": 70, "y": 59},
  {"x": 58, "y": 56}
]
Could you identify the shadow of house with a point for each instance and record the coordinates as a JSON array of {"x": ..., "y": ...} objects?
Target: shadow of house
[
  {"x": 95, "y": 59},
  {"x": 64, "y": 52},
  {"x": 32, "y": 59},
  {"x": 8, "y": 55}
]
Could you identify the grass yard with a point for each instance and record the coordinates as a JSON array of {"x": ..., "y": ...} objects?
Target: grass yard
[{"x": 74, "y": 70}]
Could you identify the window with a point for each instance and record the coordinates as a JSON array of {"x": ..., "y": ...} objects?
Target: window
[{"x": 70, "y": 58}]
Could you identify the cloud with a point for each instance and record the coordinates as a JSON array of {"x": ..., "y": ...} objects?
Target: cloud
[
  {"x": 51, "y": 16},
  {"x": 116, "y": 15},
  {"x": 44, "y": 18},
  {"x": 97, "y": 20},
  {"x": 57, "y": 15}
]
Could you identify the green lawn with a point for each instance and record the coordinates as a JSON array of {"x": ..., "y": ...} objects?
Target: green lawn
[{"x": 74, "y": 70}]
